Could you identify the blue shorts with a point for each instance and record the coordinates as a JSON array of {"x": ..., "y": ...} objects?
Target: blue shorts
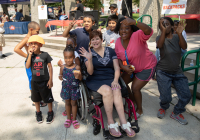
[{"x": 29, "y": 75}]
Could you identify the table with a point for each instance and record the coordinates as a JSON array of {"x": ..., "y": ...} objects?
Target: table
[
  {"x": 61, "y": 22},
  {"x": 16, "y": 27}
]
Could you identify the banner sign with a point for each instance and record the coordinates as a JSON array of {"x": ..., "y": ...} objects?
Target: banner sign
[
  {"x": 42, "y": 11},
  {"x": 174, "y": 6},
  {"x": 119, "y": 5}
]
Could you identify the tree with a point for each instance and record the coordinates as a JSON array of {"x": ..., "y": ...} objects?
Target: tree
[
  {"x": 94, "y": 4},
  {"x": 136, "y": 2}
]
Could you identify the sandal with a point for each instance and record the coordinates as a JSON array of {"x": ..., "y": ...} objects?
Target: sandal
[
  {"x": 64, "y": 113},
  {"x": 127, "y": 126},
  {"x": 115, "y": 126},
  {"x": 67, "y": 123},
  {"x": 76, "y": 124}
]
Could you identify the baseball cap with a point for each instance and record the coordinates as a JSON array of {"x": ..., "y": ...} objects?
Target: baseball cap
[
  {"x": 113, "y": 5},
  {"x": 36, "y": 38}
]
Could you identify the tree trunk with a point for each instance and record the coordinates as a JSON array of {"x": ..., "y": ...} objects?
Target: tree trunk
[
  {"x": 96, "y": 4},
  {"x": 5, "y": 8}
]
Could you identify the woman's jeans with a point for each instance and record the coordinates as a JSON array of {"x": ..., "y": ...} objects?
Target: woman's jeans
[{"x": 180, "y": 82}]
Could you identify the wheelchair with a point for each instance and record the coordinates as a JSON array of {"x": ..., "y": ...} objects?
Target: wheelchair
[{"x": 93, "y": 100}]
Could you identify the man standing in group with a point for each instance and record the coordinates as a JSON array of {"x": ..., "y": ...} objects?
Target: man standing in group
[
  {"x": 113, "y": 10},
  {"x": 19, "y": 15},
  {"x": 79, "y": 9}
]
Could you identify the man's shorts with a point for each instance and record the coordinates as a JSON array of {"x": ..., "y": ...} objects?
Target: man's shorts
[
  {"x": 29, "y": 75},
  {"x": 40, "y": 91}
]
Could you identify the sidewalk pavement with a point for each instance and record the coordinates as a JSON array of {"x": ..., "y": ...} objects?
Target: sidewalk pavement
[{"x": 18, "y": 115}]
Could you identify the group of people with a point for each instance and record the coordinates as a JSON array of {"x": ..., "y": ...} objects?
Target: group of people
[{"x": 126, "y": 50}]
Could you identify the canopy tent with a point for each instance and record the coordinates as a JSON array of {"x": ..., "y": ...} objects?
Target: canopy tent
[
  {"x": 186, "y": 16},
  {"x": 25, "y": 1}
]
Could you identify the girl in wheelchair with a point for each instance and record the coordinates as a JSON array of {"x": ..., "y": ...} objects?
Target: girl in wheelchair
[
  {"x": 70, "y": 75},
  {"x": 103, "y": 69}
]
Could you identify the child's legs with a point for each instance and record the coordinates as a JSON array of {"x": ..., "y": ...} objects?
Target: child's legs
[
  {"x": 68, "y": 108},
  {"x": 164, "y": 86},
  {"x": 74, "y": 108},
  {"x": 137, "y": 85},
  {"x": 37, "y": 105},
  {"x": 50, "y": 106},
  {"x": 181, "y": 85}
]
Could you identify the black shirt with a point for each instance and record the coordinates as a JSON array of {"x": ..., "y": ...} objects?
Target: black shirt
[
  {"x": 39, "y": 66},
  {"x": 80, "y": 10}
]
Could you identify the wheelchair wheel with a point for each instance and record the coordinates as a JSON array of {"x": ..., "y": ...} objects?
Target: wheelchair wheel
[
  {"x": 82, "y": 104},
  {"x": 85, "y": 101}
]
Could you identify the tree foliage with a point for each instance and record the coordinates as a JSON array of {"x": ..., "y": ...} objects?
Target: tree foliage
[
  {"x": 94, "y": 4},
  {"x": 136, "y": 2}
]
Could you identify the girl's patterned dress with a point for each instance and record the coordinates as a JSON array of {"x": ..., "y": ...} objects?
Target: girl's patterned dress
[{"x": 70, "y": 85}]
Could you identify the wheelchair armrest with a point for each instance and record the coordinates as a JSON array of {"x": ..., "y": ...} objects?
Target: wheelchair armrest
[{"x": 124, "y": 89}]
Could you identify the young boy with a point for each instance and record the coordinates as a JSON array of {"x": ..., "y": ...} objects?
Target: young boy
[
  {"x": 33, "y": 29},
  {"x": 110, "y": 36},
  {"x": 82, "y": 34},
  {"x": 41, "y": 82}
]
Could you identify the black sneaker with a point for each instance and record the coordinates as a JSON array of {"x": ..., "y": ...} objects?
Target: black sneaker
[
  {"x": 39, "y": 117},
  {"x": 50, "y": 117},
  {"x": 3, "y": 56}
]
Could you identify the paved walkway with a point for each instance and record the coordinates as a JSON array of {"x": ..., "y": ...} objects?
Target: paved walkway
[{"x": 18, "y": 115}]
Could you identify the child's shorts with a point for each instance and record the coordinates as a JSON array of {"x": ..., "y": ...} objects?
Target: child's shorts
[
  {"x": 145, "y": 75},
  {"x": 29, "y": 75},
  {"x": 40, "y": 91}
]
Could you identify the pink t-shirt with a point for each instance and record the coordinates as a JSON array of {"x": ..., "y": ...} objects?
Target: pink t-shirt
[{"x": 137, "y": 51}]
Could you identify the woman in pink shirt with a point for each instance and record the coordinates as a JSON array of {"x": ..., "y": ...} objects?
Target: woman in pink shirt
[{"x": 132, "y": 48}]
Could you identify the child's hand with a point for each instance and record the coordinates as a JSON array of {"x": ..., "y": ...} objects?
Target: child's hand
[
  {"x": 162, "y": 25},
  {"x": 181, "y": 26},
  {"x": 50, "y": 84},
  {"x": 77, "y": 74},
  {"x": 60, "y": 63},
  {"x": 30, "y": 51},
  {"x": 71, "y": 24},
  {"x": 128, "y": 70},
  {"x": 128, "y": 21}
]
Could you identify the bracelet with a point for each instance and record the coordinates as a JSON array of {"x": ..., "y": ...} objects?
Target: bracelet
[{"x": 136, "y": 23}]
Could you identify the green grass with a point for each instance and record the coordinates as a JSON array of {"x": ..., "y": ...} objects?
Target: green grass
[{"x": 135, "y": 16}]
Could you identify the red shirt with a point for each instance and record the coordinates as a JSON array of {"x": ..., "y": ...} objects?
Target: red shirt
[{"x": 137, "y": 51}]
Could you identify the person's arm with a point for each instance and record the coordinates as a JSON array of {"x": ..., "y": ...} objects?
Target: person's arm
[
  {"x": 126, "y": 68},
  {"x": 145, "y": 28},
  {"x": 88, "y": 63},
  {"x": 117, "y": 69},
  {"x": 61, "y": 73},
  {"x": 28, "y": 61},
  {"x": 75, "y": 9},
  {"x": 78, "y": 75},
  {"x": 179, "y": 30},
  {"x": 161, "y": 40},
  {"x": 67, "y": 30},
  {"x": 50, "y": 82},
  {"x": 18, "y": 48},
  {"x": 115, "y": 84},
  {"x": 77, "y": 61}
]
